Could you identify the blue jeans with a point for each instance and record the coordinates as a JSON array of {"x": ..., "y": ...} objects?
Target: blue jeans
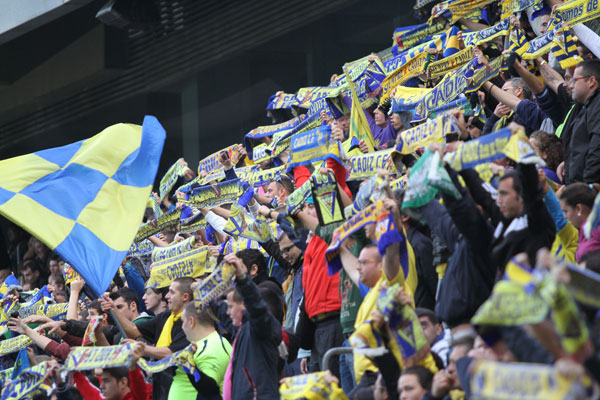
[{"x": 347, "y": 370}]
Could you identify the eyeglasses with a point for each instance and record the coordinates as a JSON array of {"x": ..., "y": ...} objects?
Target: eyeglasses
[
  {"x": 286, "y": 250},
  {"x": 365, "y": 262},
  {"x": 580, "y": 77}
]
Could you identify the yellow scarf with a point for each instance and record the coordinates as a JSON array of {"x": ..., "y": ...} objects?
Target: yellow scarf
[
  {"x": 457, "y": 395},
  {"x": 503, "y": 121},
  {"x": 164, "y": 339}
]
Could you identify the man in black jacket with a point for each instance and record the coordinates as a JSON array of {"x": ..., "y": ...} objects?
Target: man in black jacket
[
  {"x": 522, "y": 221},
  {"x": 253, "y": 369},
  {"x": 470, "y": 273},
  {"x": 581, "y": 133},
  {"x": 428, "y": 279}
]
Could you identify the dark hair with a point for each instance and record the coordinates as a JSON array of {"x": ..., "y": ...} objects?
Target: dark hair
[
  {"x": 273, "y": 296},
  {"x": 162, "y": 291},
  {"x": 424, "y": 375},
  {"x": 169, "y": 234},
  {"x": 580, "y": 193},
  {"x": 516, "y": 179},
  {"x": 201, "y": 317},
  {"x": 118, "y": 372},
  {"x": 30, "y": 263},
  {"x": 95, "y": 305},
  {"x": 586, "y": 52},
  {"x": 57, "y": 279},
  {"x": 285, "y": 181},
  {"x": 551, "y": 146},
  {"x": 590, "y": 68},
  {"x": 253, "y": 256},
  {"x": 185, "y": 285},
  {"x": 268, "y": 164},
  {"x": 237, "y": 297},
  {"x": 128, "y": 295},
  {"x": 426, "y": 312},
  {"x": 61, "y": 293}
]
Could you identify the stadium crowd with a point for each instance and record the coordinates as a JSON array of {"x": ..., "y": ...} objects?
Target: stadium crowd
[{"x": 430, "y": 215}]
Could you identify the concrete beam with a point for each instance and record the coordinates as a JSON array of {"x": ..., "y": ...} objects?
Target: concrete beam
[{"x": 20, "y": 17}]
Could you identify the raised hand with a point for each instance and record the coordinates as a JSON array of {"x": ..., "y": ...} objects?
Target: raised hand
[
  {"x": 54, "y": 326},
  {"x": 240, "y": 268},
  {"x": 77, "y": 285}
]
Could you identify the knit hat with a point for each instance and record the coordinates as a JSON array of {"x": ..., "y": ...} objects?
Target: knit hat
[{"x": 539, "y": 11}]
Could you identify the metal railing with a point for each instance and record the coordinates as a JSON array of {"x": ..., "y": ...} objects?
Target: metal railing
[{"x": 333, "y": 352}]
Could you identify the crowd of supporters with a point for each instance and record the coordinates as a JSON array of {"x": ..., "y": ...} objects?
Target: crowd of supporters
[{"x": 444, "y": 260}]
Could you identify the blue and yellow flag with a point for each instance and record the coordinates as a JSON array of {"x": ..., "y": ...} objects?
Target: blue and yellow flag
[{"x": 86, "y": 200}]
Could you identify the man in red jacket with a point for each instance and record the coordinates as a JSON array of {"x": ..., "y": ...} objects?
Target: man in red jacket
[
  {"x": 322, "y": 299},
  {"x": 117, "y": 383}
]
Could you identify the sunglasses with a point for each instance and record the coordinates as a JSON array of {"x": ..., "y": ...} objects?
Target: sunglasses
[{"x": 282, "y": 178}]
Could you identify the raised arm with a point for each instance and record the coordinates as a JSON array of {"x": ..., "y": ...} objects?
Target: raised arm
[
  {"x": 17, "y": 325},
  {"x": 472, "y": 25},
  {"x": 76, "y": 287},
  {"x": 222, "y": 212},
  {"x": 588, "y": 37},
  {"x": 350, "y": 264},
  {"x": 530, "y": 79},
  {"x": 216, "y": 221},
  {"x": 510, "y": 100},
  {"x": 136, "y": 283},
  {"x": 309, "y": 221},
  {"x": 261, "y": 320},
  {"x": 552, "y": 78}
]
